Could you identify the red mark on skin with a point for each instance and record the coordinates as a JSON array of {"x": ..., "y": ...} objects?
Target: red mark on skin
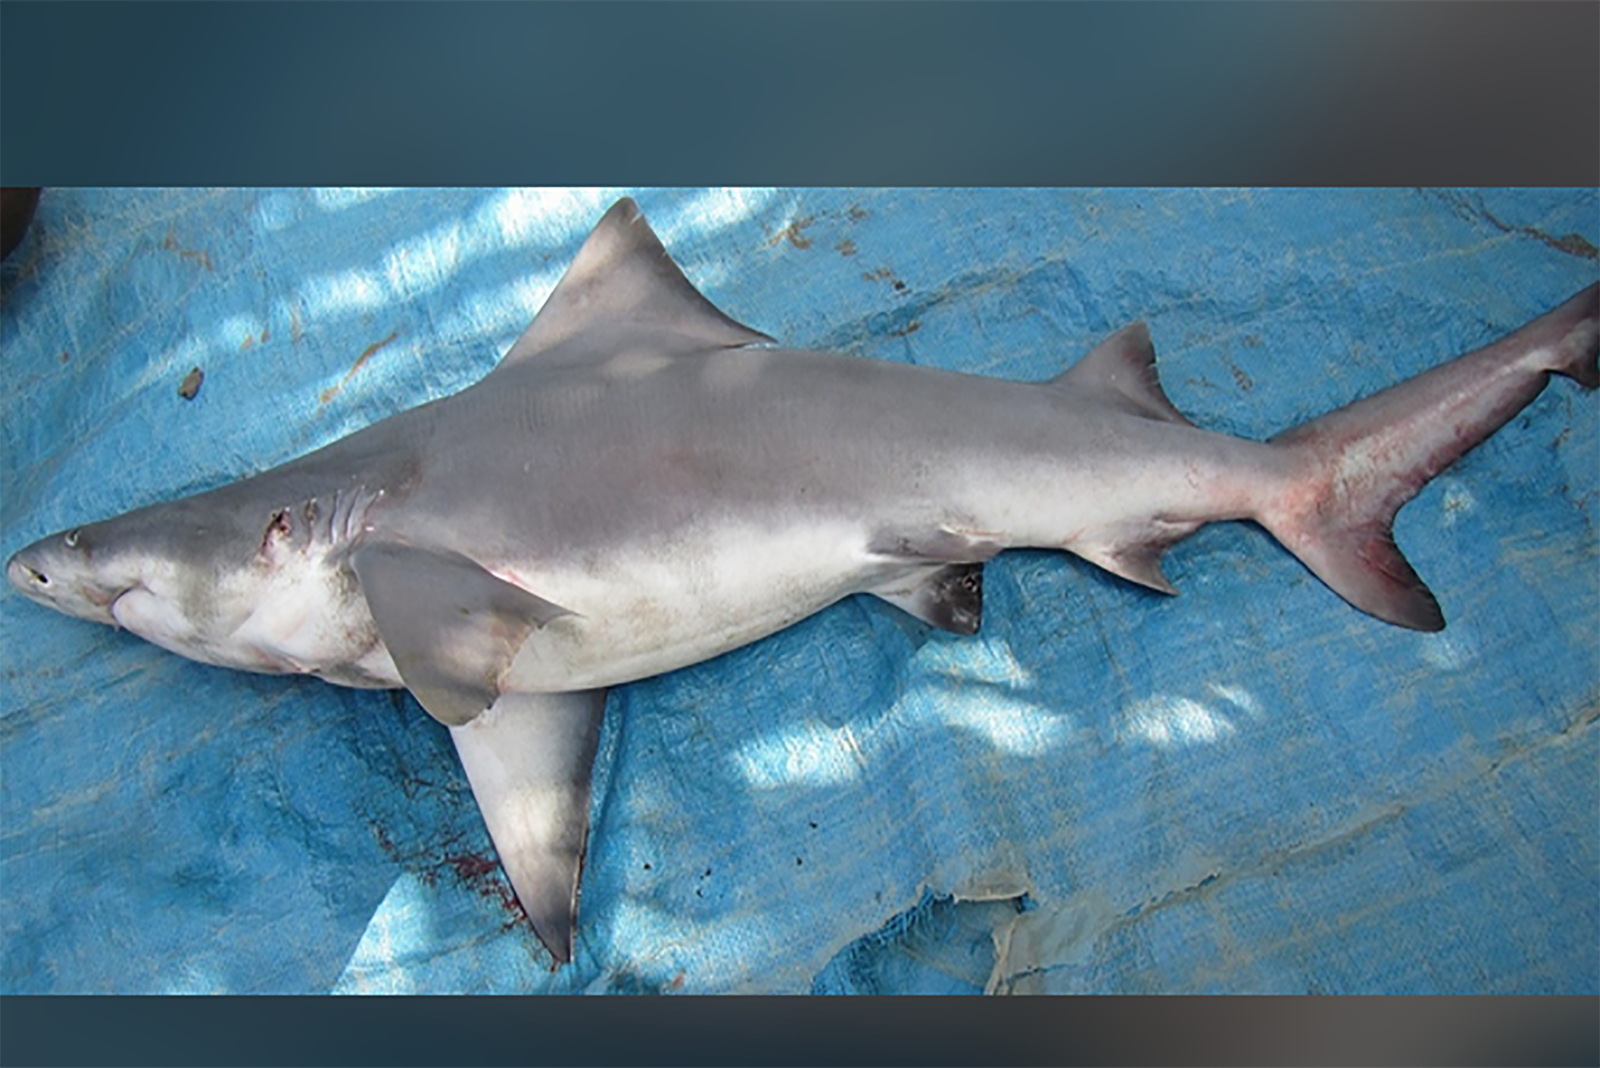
[
  {"x": 279, "y": 527},
  {"x": 333, "y": 391}
]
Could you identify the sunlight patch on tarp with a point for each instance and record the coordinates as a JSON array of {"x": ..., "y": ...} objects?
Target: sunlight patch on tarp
[
  {"x": 397, "y": 930},
  {"x": 705, "y": 215},
  {"x": 1239, "y": 698},
  {"x": 502, "y": 313},
  {"x": 278, "y": 210},
  {"x": 338, "y": 199},
  {"x": 990, "y": 660},
  {"x": 809, "y": 753},
  {"x": 710, "y": 212},
  {"x": 1457, "y": 502},
  {"x": 195, "y": 980},
  {"x": 428, "y": 261},
  {"x": 1009, "y": 722},
  {"x": 520, "y": 216},
  {"x": 1449, "y": 650},
  {"x": 1173, "y": 721},
  {"x": 979, "y": 686},
  {"x": 354, "y": 289},
  {"x": 238, "y": 330}
]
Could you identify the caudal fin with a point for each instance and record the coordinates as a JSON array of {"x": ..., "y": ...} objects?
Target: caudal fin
[{"x": 1356, "y": 466}]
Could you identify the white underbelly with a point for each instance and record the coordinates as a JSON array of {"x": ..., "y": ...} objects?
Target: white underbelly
[{"x": 660, "y": 607}]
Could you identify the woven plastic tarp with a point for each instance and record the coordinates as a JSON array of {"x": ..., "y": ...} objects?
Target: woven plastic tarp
[{"x": 1248, "y": 787}]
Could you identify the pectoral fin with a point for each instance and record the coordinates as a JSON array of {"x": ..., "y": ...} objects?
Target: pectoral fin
[
  {"x": 529, "y": 758},
  {"x": 450, "y": 626}
]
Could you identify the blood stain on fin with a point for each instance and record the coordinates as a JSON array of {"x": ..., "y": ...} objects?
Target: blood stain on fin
[
  {"x": 949, "y": 597},
  {"x": 1353, "y": 468},
  {"x": 1122, "y": 368}
]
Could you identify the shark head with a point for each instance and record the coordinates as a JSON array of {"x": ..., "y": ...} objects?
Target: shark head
[
  {"x": 73, "y": 572},
  {"x": 165, "y": 557},
  {"x": 239, "y": 585}
]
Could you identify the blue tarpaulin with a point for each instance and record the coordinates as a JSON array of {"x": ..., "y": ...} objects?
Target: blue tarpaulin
[{"x": 1250, "y": 787}]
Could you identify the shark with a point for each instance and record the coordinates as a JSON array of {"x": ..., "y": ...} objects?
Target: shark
[{"x": 643, "y": 483}]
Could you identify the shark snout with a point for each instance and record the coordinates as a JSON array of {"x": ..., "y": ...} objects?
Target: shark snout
[
  {"x": 37, "y": 577},
  {"x": 25, "y": 576}
]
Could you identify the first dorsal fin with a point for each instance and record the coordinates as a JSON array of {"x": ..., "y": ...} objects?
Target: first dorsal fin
[
  {"x": 622, "y": 277},
  {"x": 1122, "y": 368}
]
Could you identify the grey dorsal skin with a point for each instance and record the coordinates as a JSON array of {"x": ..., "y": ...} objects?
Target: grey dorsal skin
[{"x": 644, "y": 483}]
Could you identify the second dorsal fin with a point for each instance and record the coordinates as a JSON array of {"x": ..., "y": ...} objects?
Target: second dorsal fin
[{"x": 1122, "y": 368}]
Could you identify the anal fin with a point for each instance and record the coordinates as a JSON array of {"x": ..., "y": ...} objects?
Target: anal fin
[
  {"x": 949, "y": 597},
  {"x": 1138, "y": 559},
  {"x": 529, "y": 759}
]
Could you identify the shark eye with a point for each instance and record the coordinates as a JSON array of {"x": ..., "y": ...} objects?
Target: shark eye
[{"x": 70, "y": 540}]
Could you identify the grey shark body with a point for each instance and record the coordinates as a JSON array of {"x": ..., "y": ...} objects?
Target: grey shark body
[{"x": 644, "y": 483}]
